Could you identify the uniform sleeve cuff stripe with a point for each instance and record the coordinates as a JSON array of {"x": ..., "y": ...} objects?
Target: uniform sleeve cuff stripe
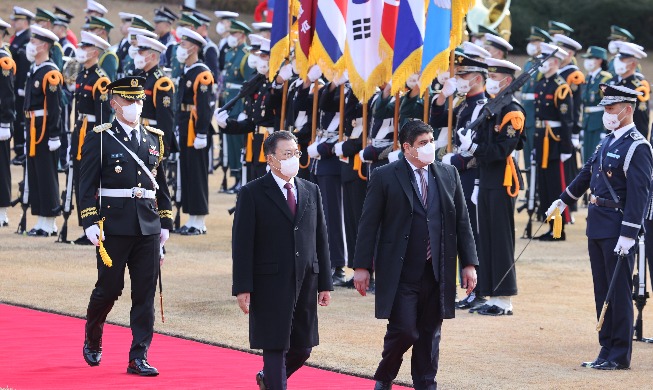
[
  {"x": 570, "y": 194},
  {"x": 631, "y": 225}
]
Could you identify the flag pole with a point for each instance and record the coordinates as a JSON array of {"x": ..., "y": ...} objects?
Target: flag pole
[
  {"x": 282, "y": 123},
  {"x": 427, "y": 103},
  {"x": 450, "y": 108},
  {"x": 364, "y": 135},
  {"x": 314, "y": 117},
  {"x": 395, "y": 136},
  {"x": 341, "y": 125}
]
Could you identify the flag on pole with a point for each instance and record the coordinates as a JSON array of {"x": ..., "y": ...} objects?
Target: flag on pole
[
  {"x": 407, "y": 59},
  {"x": 388, "y": 31},
  {"x": 330, "y": 35},
  {"x": 306, "y": 28},
  {"x": 362, "y": 55},
  {"x": 279, "y": 36}
]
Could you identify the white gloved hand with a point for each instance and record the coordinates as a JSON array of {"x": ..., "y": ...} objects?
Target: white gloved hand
[
  {"x": 200, "y": 141},
  {"x": 559, "y": 204},
  {"x": 5, "y": 131},
  {"x": 54, "y": 144},
  {"x": 285, "y": 72},
  {"x": 241, "y": 117},
  {"x": 221, "y": 117},
  {"x": 450, "y": 86},
  {"x": 163, "y": 237},
  {"x": 446, "y": 159},
  {"x": 603, "y": 135},
  {"x": 394, "y": 155},
  {"x": 342, "y": 79},
  {"x": 623, "y": 245},
  {"x": 314, "y": 73},
  {"x": 465, "y": 139},
  {"x": 564, "y": 156},
  {"x": 575, "y": 140},
  {"x": 312, "y": 150},
  {"x": 360, "y": 154},
  {"x": 338, "y": 148},
  {"x": 92, "y": 233},
  {"x": 474, "y": 197}
]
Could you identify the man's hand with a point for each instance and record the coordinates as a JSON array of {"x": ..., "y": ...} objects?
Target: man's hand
[
  {"x": 575, "y": 140},
  {"x": 324, "y": 298},
  {"x": 5, "y": 131},
  {"x": 221, "y": 118},
  {"x": 285, "y": 72},
  {"x": 449, "y": 87},
  {"x": 465, "y": 139},
  {"x": 200, "y": 141},
  {"x": 314, "y": 73},
  {"x": 559, "y": 204},
  {"x": 243, "y": 302},
  {"x": 469, "y": 278},
  {"x": 623, "y": 245},
  {"x": 361, "y": 280},
  {"x": 474, "y": 197},
  {"x": 92, "y": 233}
]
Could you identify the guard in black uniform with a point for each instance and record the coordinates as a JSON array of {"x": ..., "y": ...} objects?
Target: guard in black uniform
[
  {"x": 122, "y": 49},
  {"x": 553, "y": 128},
  {"x": 43, "y": 110},
  {"x": 619, "y": 176},
  {"x": 127, "y": 213},
  {"x": 7, "y": 117}
]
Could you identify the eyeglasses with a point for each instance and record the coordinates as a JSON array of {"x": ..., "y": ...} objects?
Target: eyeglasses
[{"x": 296, "y": 153}]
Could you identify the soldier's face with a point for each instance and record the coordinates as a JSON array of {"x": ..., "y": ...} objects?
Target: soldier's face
[
  {"x": 124, "y": 27},
  {"x": 45, "y": 24}
]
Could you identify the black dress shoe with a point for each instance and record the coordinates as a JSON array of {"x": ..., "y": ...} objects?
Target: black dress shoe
[
  {"x": 610, "y": 366},
  {"x": 83, "y": 240},
  {"x": 235, "y": 189},
  {"x": 192, "y": 231},
  {"x": 19, "y": 160},
  {"x": 260, "y": 380},
  {"x": 338, "y": 276},
  {"x": 38, "y": 233},
  {"x": 381, "y": 385},
  {"x": 596, "y": 362},
  {"x": 4, "y": 223},
  {"x": 494, "y": 310},
  {"x": 92, "y": 355},
  {"x": 182, "y": 230},
  {"x": 549, "y": 237},
  {"x": 141, "y": 367}
]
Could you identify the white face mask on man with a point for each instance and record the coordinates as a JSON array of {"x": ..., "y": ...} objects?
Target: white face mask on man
[
  {"x": 532, "y": 49},
  {"x": 545, "y": 67},
  {"x": 139, "y": 61},
  {"x": 252, "y": 61},
  {"x": 464, "y": 86},
  {"x": 493, "y": 86},
  {"x": 220, "y": 28},
  {"x": 182, "y": 54},
  {"x": 262, "y": 66},
  {"x": 81, "y": 55},
  {"x": 289, "y": 166},
  {"x": 31, "y": 51},
  {"x": 132, "y": 112},
  {"x": 612, "y": 121},
  {"x": 620, "y": 67},
  {"x": 132, "y": 51},
  {"x": 426, "y": 153},
  {"x": 232, "y": 41}
]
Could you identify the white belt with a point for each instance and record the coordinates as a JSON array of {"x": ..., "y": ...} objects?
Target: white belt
[
  {"x": 90, "y": 118},
  {"x": 233, "y": 86},
  {"x": 540, "y": 124},
  {"x": 381, "y": 143},
  {"x": 21, "y": 92},
  {"x": 35, "y": 113},
  {"x": 135, "y": 192},
  {"x": 527, "y": 96},
  {"x": 593, "y": 109},
  {"x": 151, "y": 122},
  {"x": 327, "y": 133}
]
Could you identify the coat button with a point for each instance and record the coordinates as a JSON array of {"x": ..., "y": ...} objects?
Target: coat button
[
  {"x": 406, "y": 237},
  {"x": 296, "y": 254},
  {"x": 139, "y": 184},
  {"x": 401, "y": 259},
  {"x": 296, "y": 228},
  {"x": 139, "y": 172}
]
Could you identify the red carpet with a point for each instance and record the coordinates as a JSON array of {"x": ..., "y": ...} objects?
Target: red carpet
[{"x": 41, "y": 350}]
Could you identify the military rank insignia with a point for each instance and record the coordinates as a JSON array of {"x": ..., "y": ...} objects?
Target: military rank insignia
[
  {"x": 564, "y": 108},
  {"x": 642, "y": 106},
  {"x": 511, "y": 131},
  {"x": 53, "y": 88},
  {"x": 166, "y": 101},
  {"x": 152, "y": 150},
  {"x": 204, "y": 88}
]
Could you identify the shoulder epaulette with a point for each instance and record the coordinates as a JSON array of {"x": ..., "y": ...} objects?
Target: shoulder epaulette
[
  {"x": 560, "y": 80},
  {"x": 576, "y": 78},
  {"x": 158, "y": 73},
  {"x": 102, "y": 127},
  {"x": 605, "y": 76},
  {"x": 636, "y": 135},
  {"x": 154, "y": 130},
  {"x": 100, "y": 72}
]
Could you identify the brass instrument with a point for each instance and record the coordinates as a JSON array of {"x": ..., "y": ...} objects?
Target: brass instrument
[
  {"x": 71, "y": 68},
  {"x": 493, "y": 14}
]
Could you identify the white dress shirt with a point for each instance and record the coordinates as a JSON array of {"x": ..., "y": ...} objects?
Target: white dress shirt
[
  {"x": 281, "y": 183},
  {"x": 620, "y": 132},
  {"x": 128, "y": 129}
]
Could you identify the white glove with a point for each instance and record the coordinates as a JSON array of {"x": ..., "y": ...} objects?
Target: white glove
[
  {"x": 450, "y": 86},
  {"x": 338, "y": 148},
  {"x": 314, "y": 73},
  {"x": 5, "y": 131},
  {"x": 312, "y": 150},
  {"x": 200, "y": 141},
  {"x": 221, "y": 117},
  {"x": 342, "y": 79},
  {"x": 602, "y": 135},
  {"x": 92, "y": 233},
  {"x": 559, "y": 204},
  {"x": 465, "y": 139},
  {"x": 360, "y": 154},
  {"x": 54, "y": 144},
  {"x": 564, "y": 156},
  {"x": 285, "y": 72},
  {"x": 475, "y": 195},
  {"x": 623, "y": 245},
  {"x": 575, "y": 140},
  {"x": 163, "y": 237},
  {"x": 241, "y": 117},
  {"x": 446, "y": 159},
  {"x": 394, "y": 155}
]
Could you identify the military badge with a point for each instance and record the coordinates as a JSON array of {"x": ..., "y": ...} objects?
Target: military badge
[
  {"x": 118, "y": 169},
  {"x": 126, "y": 139},
  {"x": 53, "y": 88},
  {"x": 574, "y": 87},
  {"x": 36, "y": 84},
  {"x": 564, "y": 108},
  {"x": 166, "y": 101},
  {"x": 204, "y": 88},
  {"x": 642, "y": 106},
  {"x": 104, "y": 97},
  {"x": 188, "y": 84},
  {"x": 497, "y": 128},
  {"x": 511, "y": 131},
  {"x": 152, "y": 150}
]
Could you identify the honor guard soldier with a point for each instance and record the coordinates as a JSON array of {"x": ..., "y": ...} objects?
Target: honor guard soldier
[
  {"x": 625, "y": 65},
  {"x": 127, "y": 215},
  {"x": 7, "y": 117},
  {"x": 43, "y": 111},
  {"x": 493, "y": 145},
  {"x": 122, "y": 49},
  {"x": 497, "y": 46},
  {"x": 595, "y": 62},
  {"x": 210, "y": 54},
  {"x": 262, "y": 108},
  {"x": 128, "y": 66},
  {"x": 528, "y": 90},
  {"x": 177, "y": 67},
  {"x": 263, "y": 29},
  {"x": 235, "y": 73},
  {"x": 617, "y": 34},
  {"x": 93, "y": 8},
  {"x": 91, "y": 105},
  {"x": 60, "y": 29},
  {"x": 619, "y": 175},
  {"x": 108, "y": 60},
  {"x": 66, "y": 16},
  {"x": 159, "y": 91},
  {"x": 553, "y": 131},
  {"x": 163, "y": 20},
  {"x": 21, "y": 19},
  {"x": 222, "y": 28},
  {"x": 46, "y": 19},
  {"x": 194, "y": 124}
]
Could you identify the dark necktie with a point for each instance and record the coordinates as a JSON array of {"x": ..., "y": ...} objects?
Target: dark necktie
[
  {"x": 134, "y": 140},
  {"x": 425, "y": 195},
  {"x": 290, "y": 199}
]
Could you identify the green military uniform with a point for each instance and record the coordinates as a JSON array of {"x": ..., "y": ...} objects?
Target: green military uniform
[
  {"x": 109, "y": 59},
  {"x": 593, "y": 113},
  {"x": 619, "y": 34}
]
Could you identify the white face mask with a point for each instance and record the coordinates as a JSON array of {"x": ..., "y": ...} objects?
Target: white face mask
[
  {"x": 620, "y": 67},
  {"x": 532, "y": 49},
  {"x": 443, "y": 77},
  {"x": 81, "y": 55},
  {"x": 139, "y": 61},
  {"x": 252, "y": 60},
  {"x": 492, "y": 86},
  {"x": 412, "y": 81},
  {"x": 232, "y": 41},
  {"x": 262, "y": 66},
  {"x": 590, "y": 64},
  {"x": 426, "y": 153},
  {"x": 612, "y": 47},
  {"x": 289, "y": 167},
  {"x": 612, "y": 121},
  {"x": 464, "y": 86},
  {"x": 132, "y": 51},
  {"x": 545, "y": 67},
  {"x": 220, "y": 28},
  {"x": 132, "y": 112},
  {"x": 478, "y": 42},
  {"x": 293, "y": 63},
  {"x": 31, "y": 52},
  {"x": 182, "y": 54}
]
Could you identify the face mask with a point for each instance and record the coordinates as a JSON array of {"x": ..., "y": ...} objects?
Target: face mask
[
  {"x": 30, "y": 52},
  {"x": 620, "y": 67},
  {"x": 589, "y": 64},
  {"x": 426, "y": 153},
  {"x": 252, "y": 60},
  {"x": 220, "y": 28},
  {"x": 412, "y": 81},
  {"x": 139, "y": 61},
  {"x": 532, "y": 49},
  {"x": 612, "y": 47},
  {"x": 443, "y": 77},
  {"x": 182, "y": 54},
  {"x": 478, "y": 42},
  {"x": 289, "y": 167},
  {"x": 465, "y": 86},
  {"x": 132, "y": 112},
  {"x": 545, "y": 67},
  {"x": 262, "y": 66},
  {"x": 612, "y": 121},
  {"x": 81, "y": 55},
  {"x": 232, "y": 41},
  {"x": 493, "y": 86},
  {"x": 293, "y": 63},
  {"x": 132, "y": 51}
]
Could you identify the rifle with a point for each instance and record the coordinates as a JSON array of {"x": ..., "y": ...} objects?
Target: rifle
[
  {"x": 530, "y": 204},
  {"x": 23, "y": 198},
  {"x": 176, "y": 185},
  {"x": 640, "y": 295},
  {"x": 66, "y": 206},
  {"x": 249, "y": 87}
]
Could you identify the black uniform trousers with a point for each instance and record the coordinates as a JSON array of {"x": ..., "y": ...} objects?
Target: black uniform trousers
[
  {"x": 616, "y": 335},
  {"x": 141, "y": 254},
  {"x": 43, "y": 180},
  {"x": 353, "y": 197},
  {"x": 415, "y": 321},
  {"x": 331, "y": 190},
  {"x": 194, "y": 169},
  {"x": 279, "y": 365},
  {"x": 5, "y": 173}
]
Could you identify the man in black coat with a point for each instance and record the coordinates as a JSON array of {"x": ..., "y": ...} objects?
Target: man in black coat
[
  {"x": 281, "y": 262},
  {"x": 414, "y": 225}
]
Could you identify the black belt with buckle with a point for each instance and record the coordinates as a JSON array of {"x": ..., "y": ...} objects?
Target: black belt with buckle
[{"x": 602, "y": 202}]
